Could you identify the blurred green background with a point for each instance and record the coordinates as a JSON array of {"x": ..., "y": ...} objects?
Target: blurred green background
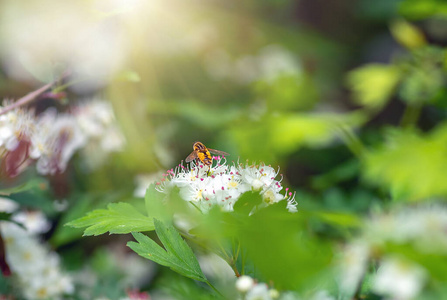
[{"x": 347, "y": 97}]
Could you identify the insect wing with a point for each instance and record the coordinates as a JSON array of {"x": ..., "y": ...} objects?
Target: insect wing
[
  {"x": 218, "y": 152},
  {"x": 191, "y": 157}
]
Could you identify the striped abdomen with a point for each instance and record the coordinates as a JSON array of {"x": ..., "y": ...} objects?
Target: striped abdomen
[{"x": 203, "y": 154}]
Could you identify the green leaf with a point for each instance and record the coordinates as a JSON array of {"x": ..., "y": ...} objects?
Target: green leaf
[
  {"x": 287, "y": 92},
  {"x": 425, "y": 80},
  {"x": 373, "y": 84},
  {"x": 80, "y": 205},
  {"x": 279, "y": 245},
  {"x": 118, "y": 218},
  {"x": 410, "y": 165},
  {"x": 178, "y": 255},
  {"x": 149, "y": 249},
  {"x": 422, "y": 9},
  {"x": 288, "y": 132},
  {"x": 407, "y": 34},
  {"x": 5, "y": 216},
  {"x": 246, "y": 202},
  {"x": 339, "y": 218}
]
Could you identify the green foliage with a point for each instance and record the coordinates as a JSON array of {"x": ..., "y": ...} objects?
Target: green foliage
[
  {"x": 289, "y": 132},
  {"x": 281, "y": 249},
  {"x": 246, "y": 203},
  {"x": 410, "y": 165},
  {"x": 373, "y": 84},
  {"x": 287, "y": 92},
  {"x": 118, "y": 218},
  {"x": 407, "y": 35},
  {"x": 252, "y": 137},
  {"x": 26, "y": 186},
  {"x": 5, "y": 216},
  {"x": 339, "y": 160},
  {"x": 177, "y": 255},
  {"x": 164, "y": 206},
  {"x": 178, "y": 287},
  {"x": 339, "y": 219},
  {"x": 33, "y": 193},
  {"x": 417, "y": 78},
  {"x": 424, "y": 77},
  {"x": 433, "y": 263},
  {"x": 421, "y": 9},
  {"x": 80, "y": 205},
  {"x": 277, "y": 245}
]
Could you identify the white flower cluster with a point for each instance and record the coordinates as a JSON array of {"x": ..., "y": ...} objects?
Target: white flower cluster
[
  {"x": 96, "y": 120},
  {"x": 424, "y": 229},
  {"x": 36, "y": 269},
  {"x": 252, "y": 290},
  {"x": 51, "y": 139},
  {"x": 223, "y": 184}
]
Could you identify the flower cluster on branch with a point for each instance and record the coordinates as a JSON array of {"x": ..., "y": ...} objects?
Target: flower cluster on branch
[
  {"x": 51, "y": 138},
  {"x": 223, "y": 184}
]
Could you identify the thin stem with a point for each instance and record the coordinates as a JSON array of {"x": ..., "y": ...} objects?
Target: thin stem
[
  {"x": 214, "y": 289},
  {"x": 230, "y": 260},
  {"x": 238, "y": 250},
  {"x": 31, "y": 96},
  {"x": 235, "y": 270},
  {"x": 70, "y": 83},
  {"x": 358, "y": 290},
  {"x": 233, "y": 249},
  {"x": 352, "y": 142},
  {"x": 196, "y": 207},
  {"x": 411, "y": 115},
  {"x": 223, "y": 250},
  {"x": 243, "y": 263},
  {"x": 235, "y": 255}
]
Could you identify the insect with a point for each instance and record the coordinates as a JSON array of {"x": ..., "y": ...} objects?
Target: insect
[{"x": 202, "y": 153}]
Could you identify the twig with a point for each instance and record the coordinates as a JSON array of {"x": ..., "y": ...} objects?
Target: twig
[{"x": 31, "y": 96}]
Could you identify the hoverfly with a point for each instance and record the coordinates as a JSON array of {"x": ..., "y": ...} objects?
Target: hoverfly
[{"x": 202, "y": 153}]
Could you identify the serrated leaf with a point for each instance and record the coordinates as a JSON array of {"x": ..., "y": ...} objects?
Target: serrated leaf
[
  {"x": 149, "y": 249},
  {"x": 178, "y": 255},
  {"x": 118, "y": 218},
  {"x": 174, "y": 244}
]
